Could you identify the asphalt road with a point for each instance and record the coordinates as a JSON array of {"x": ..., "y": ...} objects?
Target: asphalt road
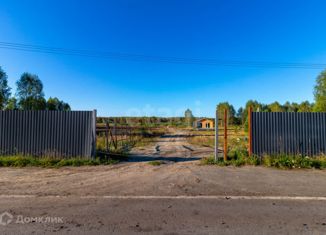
[{"x": 165, "y": 216}]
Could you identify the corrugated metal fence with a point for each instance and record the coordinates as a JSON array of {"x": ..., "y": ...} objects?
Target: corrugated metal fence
[
  {"x": 290, "y": 133},
  {"x": 48, "y": 133}
]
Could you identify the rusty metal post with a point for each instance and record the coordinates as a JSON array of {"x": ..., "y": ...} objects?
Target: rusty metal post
[
  {"x": 216, "y": 135},
  {"x": 115, "y": 134},
  {"x": 225, "y": 135},
  {"x": 250, "y": 130}
]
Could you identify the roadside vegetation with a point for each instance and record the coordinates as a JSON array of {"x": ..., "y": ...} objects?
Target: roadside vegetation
[
  {"x": 239, "y": 157},
  {"x": 24, "y": 161},
  {"x": 146, "y": 122},
  {"x": 156, "y": 163}
]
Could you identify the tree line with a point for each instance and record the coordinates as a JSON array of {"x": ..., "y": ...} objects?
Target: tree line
[
  {"x": 145, "y": 121},
  {"x": 240, "y": 116},
  {"x": 29, "y": 95}
]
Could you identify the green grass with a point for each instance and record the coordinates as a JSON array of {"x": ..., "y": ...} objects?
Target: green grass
[
  {"x": 291, "y": 162},
  {"x": 23, "y": 161},
  {"x": 241, "y": 161},
  {"x": 156, "y": 163},
  {"x": 239, "y": 157}
]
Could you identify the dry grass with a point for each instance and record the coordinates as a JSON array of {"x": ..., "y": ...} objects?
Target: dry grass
[{"x": 237, "y": 138}]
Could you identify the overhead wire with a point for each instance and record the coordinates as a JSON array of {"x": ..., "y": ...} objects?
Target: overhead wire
[{"x": 157, "y": 59}]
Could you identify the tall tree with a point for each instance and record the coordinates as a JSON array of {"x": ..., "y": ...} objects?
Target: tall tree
[
  {"x": 189, "y": 117},
  {"x": 4, "y": 89},
  {"x": 320, "y": 93},
  {"x": 56, "y": 104},
  {"x": 30, "y": 92},
  {"x": 305, "y": 106},
  {"x": 276, "y": 107},
  {"x": 52, "y": 104},
  {"x": 231, "y": 111},
  {"x": 240, "y": 113},
  {"x": 291, "y": 107},
  {"x": 12, "y": 104},
  {"x": 256, "y": 107}
]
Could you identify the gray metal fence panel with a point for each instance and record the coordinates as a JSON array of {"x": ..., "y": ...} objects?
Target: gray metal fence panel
[
  {"x": 48, "y": 133},
  {"x": 290, "y": 133}
]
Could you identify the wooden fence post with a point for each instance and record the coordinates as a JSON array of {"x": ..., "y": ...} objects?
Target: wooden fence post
[
  {"x": 250, "y": 130},
  {"x": 225, "y": 135}
]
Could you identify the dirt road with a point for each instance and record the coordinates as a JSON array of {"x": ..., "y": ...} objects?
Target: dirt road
[
  {"x": 170, "y": 147},
  {"x": 178, "y": 197}
]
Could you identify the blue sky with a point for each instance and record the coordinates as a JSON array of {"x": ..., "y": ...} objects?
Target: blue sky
[{"x": 255, "y": 30}]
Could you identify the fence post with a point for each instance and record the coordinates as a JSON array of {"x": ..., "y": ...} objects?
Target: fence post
[
  {"x": 225, "y": 134},
  {"x": 115, "y": 136},
  {"x": 216, "y": 134},
  {"x": 250, "y": 130}
]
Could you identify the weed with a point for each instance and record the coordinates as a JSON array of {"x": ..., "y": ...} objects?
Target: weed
[
  {"x": 240, "y": 157},
  {"x": 156, "y": 163},
  {"x": 294, "y": 161}
]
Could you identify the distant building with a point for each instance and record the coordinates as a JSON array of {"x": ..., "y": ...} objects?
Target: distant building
[{"x": 204, "y": 123}]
